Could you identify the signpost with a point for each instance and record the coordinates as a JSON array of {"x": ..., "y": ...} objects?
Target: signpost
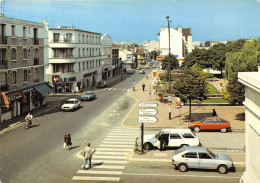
[{"x": 146, "y": 115}]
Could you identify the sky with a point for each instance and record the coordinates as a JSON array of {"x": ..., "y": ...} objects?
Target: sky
[{"x": 141, "y": 19}]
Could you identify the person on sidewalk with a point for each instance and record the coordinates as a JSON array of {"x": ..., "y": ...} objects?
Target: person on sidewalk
[
  {"x": 214, "y": 113},
  {"x": 88, "y": 152},
  {"x": 67, "y": 140},
  {"x": 29, "y": 118},
  {"x": 143, "y": 85}
]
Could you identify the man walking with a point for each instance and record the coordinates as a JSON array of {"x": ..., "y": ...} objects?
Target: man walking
[
  {"x": 143, "y": 85},
  {"x": 88, "y": 155}
]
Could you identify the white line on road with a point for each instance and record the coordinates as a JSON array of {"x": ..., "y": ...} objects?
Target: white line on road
[
  {"x": 96, "y": 178},
  {"x": 110, "y": 88},
  {"x": 113, "y": 149},
  {"x": 121, "y": 137},
  {"x": 126, "y": 143},
  {"x": 121, "y": 140},
  {"x": 100, "y": 172},
  {"x": 109, "y": 161},
  {"x": 105, "y": 145},
  {"x": 112, "y": 153},
  {"x": 108, "y": 167},
  {"x": 108, "y": 157},
  {"x": 123, "y": 89},
  {"x": 114, "y": 88},
  {"x": 124, "y": 134}
]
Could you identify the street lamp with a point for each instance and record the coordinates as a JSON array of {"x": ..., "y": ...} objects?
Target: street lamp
[{"x": 169, "y": 96}]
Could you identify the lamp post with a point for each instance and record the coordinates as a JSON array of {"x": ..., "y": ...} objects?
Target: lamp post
[{"x": 169, "y": 97}]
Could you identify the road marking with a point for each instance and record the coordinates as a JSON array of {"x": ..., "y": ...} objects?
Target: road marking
[
  {"x": 114, "y": 88},
  {"x": 113, "y": 149},
  {"x": 108, "y": 161},
  {"x": 104, "y": 88},
  {"x": 110, "y": 88},
  {"x": 96, "y": 178},
  {"x": 125, "y": 143},
  {"x": 125, "y": 131},
  {"x": 105, "y": 145},
  {"x": 128, "y": 89},
  {"x": 107, "y": 167},
  {"x": 100, "y": 172},
  {"x": 108, "y": 157},
  {"x": 124, "y": 134},
  {"x": 122, "y": 140},
  {"x": 170, "y": 175},
  {"x": 121, "y": 137},
  {"x": 123, "y": 89},
  {"x": 112, "y": 153}
]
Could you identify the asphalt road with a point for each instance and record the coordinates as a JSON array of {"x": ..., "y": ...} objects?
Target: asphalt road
[{"x": 37, "y": 154}]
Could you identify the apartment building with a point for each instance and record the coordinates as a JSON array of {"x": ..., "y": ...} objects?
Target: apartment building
[
  {"x": 23, "y": 54},
  {"x": 127, "y": 58},
  {"x": 106, "y": 44},
  {"x": 115, "y": 60},
  {"x": 74, "y": 59}
]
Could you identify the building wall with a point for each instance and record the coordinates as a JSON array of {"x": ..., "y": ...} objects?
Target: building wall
[{"x": 251, "y": 80}]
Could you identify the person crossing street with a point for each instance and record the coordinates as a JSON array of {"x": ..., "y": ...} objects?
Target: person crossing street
[{"x": 88, "y": 152}]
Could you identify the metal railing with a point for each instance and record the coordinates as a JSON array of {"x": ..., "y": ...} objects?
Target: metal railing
[{"x": 3, "y": 40}]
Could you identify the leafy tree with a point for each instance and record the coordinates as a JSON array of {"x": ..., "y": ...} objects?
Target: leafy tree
[
  {"x": 190, "y": 85},
  {"x": 197, "y": 68},
  {"x": 197, "y": 56},
  {"x": 153, "y": 54},
  {"x": 173, "y": 62},
  {"x": 235, "y": 46}
]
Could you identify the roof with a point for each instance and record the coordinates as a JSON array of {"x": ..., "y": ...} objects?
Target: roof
[
  {"x": 73, "y": 29},
  {"x": 176, "y": 130},
  {"x": 116, "y": 45},
  {"x": 186, "y": 32},
  {"x": 195, "y": 148}
]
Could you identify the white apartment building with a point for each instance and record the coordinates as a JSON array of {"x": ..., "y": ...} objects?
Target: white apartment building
[
  {"x": 180, "y": 42},
  {"x": 152, "y": 46},
  {"x": 251, "y": 80},
  {"x": 106, "y": 45},
  {"x": 74, "y": 59},
  {"x": 127, "y": 58}
]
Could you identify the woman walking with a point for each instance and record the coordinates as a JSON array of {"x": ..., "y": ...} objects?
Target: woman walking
[{"x": 67, "y": 140}]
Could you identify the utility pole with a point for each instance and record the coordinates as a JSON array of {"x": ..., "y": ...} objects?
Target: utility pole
[{"x": 169, "y": 69}]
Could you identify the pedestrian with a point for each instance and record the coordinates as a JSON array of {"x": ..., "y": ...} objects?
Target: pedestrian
[
  {"x": 88, "y": 152},
  {"x": 214, "y": 113},
  {"x": 29, "y": 118},
  {"x": 67, "y": 140},
  {"x": 143, "y": 85}
]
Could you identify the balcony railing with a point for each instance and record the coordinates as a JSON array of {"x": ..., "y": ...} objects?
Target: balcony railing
[
  {"x": 62, "y": 41},
  {"x": 36, "y": 61},
  {"x": 3, "y": 64},
  {"x": 3, "y": 40},
  {"x": 36, "y": 41},
  {"x": 36, "y": 80}
]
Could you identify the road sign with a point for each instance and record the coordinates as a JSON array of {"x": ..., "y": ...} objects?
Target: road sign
[
  {"x": 147, "y": 119},
  {"x": 147, "y": 104},
  {"x": 145, "y": 111}
]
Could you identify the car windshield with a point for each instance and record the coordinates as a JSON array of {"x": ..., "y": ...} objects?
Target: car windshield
[
  {"x": 157, "y": 135},
  {"x": 69, "y": 102},
  {"x": 179, "y": 151},
  {"x": 203, "y": 120},
  {"x": 89, "y": 93},
  {"x": 211, "y": 154}
]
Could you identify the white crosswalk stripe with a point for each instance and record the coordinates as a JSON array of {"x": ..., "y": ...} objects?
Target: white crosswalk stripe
[{"x": 111, "y": 156}]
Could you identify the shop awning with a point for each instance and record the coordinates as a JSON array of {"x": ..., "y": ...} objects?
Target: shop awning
[{"x": 43, "y": 88}]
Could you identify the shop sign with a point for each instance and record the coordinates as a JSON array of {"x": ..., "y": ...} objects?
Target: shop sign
[
  {"x": 55, "y": 78},
  {"x": 72, "y": 79}
]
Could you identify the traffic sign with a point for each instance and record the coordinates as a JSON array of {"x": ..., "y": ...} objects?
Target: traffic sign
[
  {"x": 147, "y": 104},
  {"x": 147, "y": 119},
  {"x": 146, "y": 111}
]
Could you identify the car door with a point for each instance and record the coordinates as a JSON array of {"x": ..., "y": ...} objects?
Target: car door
[
  {"x": 175, "y": 140},
  {"x": 191, "y": 159},
  {"x": 206, "y": 161},
  {"x": 207, "y": 125},
  {"x": 77, "y": 103},
  {"x": 215, "y": 125}
]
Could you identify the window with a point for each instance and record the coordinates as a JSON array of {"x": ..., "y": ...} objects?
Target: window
[
  {"x": 68, "y": 37},
  {"x": 96, "y": 63},
  {"x": 87, "y": 65},
  {"x": 83, "y": 66},
  {"x": 83, "y": 52},
  {"x": 24, "y": 32},
  {"x": 24, "y": 53},
  {"x": 187, "y": 135},
  {"x": 191, "y": 155},
  {"x": 99, "y": 63},
  {"x": 13, "y": 77},
  {"x": 56, "y": 37},
  {"x": 83, "y": 39},
  {"x": 35, "y": 76},
  {"x": 25, "y": 75},
  {"x": 79, "y": 67},
  {"x": 79, "y": 52},
  {"x": 87, "y": 39},
  {"x": 36, "y": 55},
  {"x": 203, "y": 155},
  {"x": 13, "y": 30},
  {"x": 79, "y": 38},
  {"x": 13, "y": 54},
  {"x": 208, "y": 121},
  {"x": 175, "y": 136}
]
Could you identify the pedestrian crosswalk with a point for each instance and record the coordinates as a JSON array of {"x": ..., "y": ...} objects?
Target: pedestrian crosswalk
[
  {"x": 110, "y": 158},
  {"x": 113, "y": 89}
]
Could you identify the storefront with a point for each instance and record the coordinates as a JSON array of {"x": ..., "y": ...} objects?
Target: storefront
[{"x": 64, "y": 85}]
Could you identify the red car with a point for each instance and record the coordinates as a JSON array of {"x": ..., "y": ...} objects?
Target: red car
[{"x": 210, "y": 123}]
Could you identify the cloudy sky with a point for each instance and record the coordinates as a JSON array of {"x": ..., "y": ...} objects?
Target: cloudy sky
[{"x": 142, "y": 19}]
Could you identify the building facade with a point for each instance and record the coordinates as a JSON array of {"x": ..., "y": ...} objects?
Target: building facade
[
  {"x": 115, "y": 60},
  {"x": 23, "y": 54},
  {"x": 74, "y": 59},
  {"x": 106, "y": 44},
  {"x": 127, "y": 57},
  {"x": 251, "y": 80}
]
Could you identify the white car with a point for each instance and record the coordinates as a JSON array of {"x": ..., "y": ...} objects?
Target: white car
[
  {"x": 171, "y": 138},
  {"x": 70, "y": 104}
]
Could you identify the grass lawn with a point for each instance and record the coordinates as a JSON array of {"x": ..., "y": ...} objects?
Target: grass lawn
[
  {"x": 212, "y": 100},
  {"x": 212, "y": 89}
]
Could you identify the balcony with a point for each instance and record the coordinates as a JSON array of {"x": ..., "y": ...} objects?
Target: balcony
[
  {"x": 35, "y": 41},
  {"x": 36, "y": 61},
  {"x": 36, "y": 80},
  {"x": 3, "y": 64},
  {"x": 3, "y": 40}
]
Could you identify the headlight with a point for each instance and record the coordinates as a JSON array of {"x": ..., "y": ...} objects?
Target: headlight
[{"x": 71, "y": 107}]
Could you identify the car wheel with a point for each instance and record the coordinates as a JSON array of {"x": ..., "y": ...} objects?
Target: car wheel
[
  {"x": 222, "y": 169},
  {"x": 196, "y": 129},
  {"x": 223, "y": 130},
  {"x": 182, "y": 167},
  {"x": 148, "y": 146},
  {"x": 184, "y": 145}
]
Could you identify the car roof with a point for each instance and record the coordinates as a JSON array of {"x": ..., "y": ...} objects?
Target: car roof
[
  {"x": 214, "y": 118},
  {"x": 183, "y": 130},
  {"x": 72, "y": 99},
  {"x": 89, "y": 92},
  {"x": 195, "y": 148}
]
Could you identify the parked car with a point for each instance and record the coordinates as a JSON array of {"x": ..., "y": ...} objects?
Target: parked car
[
  {"x": 142, "y": 71},
  {"x": 88, "y": 95},
  {"x": 172, "y": 138},
  {"x": 131, "y": 71},
  {"x": 101, "y": 84},
  {"x": 70, "y": 104},
  {"x": 202, "y": 158},
  {"x": 210, "y": 123}
]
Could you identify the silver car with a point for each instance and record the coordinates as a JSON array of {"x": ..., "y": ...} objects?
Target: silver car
[
  {"x": 202, "y": 158},
  {"x": 88, "y": 95}
]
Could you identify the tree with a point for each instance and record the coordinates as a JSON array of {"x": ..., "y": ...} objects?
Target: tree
[
  {"x": 173, "y": 62},
  {"x": 190, "y": 85},
  {"x": 246, "y": 60},
  {"x": 197, "y": 56},
  {"x": 235, "y": 46},
  {"x": 153, "y": 54}
]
